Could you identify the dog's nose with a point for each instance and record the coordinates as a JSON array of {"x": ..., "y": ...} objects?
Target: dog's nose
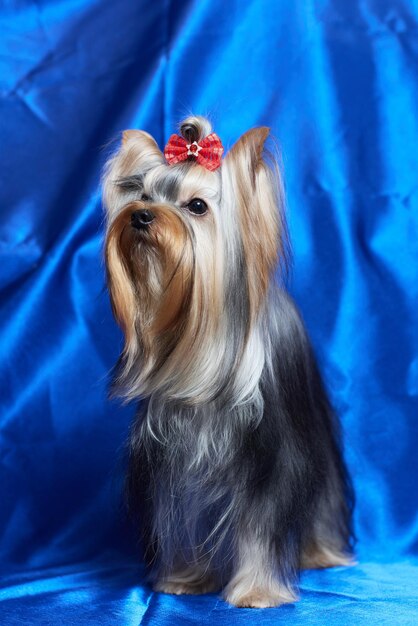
[{"x": 141, "y": 219}]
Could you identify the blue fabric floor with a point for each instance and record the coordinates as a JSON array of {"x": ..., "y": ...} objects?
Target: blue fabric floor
[
  {"x": 337, "y": 83},
  {"x": 111, "y": 594}
]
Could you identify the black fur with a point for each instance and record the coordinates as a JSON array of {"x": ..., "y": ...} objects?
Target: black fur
[{"x": 282, "y": 479}]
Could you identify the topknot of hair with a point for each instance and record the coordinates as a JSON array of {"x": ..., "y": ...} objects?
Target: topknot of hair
[{"x": 195, "y": 128}]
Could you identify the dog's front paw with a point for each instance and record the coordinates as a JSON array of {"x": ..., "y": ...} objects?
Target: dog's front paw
[
  {"x": 179, "y": 587},
  {"x": 259, "y": 597}
]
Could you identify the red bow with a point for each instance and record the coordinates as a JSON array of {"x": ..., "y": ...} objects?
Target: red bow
[{"x": 208, "y": 151}]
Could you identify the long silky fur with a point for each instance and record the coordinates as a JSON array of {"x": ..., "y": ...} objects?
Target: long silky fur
[
  {"x": 235, "y": 451},
  {"x": 203, "y": 472}
]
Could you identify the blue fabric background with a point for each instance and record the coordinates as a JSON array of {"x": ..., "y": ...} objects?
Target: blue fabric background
[{"x": 337, "y": 81}]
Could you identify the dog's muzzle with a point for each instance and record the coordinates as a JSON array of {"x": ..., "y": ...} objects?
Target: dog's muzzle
[{"x": 141, "y": 219}]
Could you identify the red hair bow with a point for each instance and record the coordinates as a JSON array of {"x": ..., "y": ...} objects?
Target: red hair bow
[{"x": 208, "y": 151}]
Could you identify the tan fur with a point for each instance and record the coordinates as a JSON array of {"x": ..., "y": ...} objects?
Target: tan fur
[
  {"x": 189, "y": 580},
  {"x": 254, "y": 583},
  {"x": 121, "y": 287},
  {"x": 179, "y": 588},
  {"x": 178, "y": 312},
  {"x": 139, "y": 149},
  {"x": 257, "y": 205},
  {"x": 189, "y": 317},
  {"x": 173, "y": 244},
  {"x": 322, "y": 556},
  {"x": 185, "y": 318}
]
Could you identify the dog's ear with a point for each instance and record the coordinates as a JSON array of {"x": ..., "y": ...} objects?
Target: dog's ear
[
  {"x": 253, "y": 188},
  {"x": 140, "y": 147},
  {"x": 132, "y": 133},
  {"x": 247, "y": 152}
]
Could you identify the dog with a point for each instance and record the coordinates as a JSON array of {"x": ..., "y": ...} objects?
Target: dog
[{"x": 235, "y": 460}]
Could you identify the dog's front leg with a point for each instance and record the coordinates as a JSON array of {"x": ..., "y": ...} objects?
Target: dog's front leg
[{"x": 256, "y": 580}]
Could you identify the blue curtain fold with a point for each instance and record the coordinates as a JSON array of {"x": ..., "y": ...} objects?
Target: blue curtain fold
[{"x": 337, "y": 82}]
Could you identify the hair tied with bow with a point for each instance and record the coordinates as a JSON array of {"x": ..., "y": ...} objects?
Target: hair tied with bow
[{"x": 207, "y": 152}]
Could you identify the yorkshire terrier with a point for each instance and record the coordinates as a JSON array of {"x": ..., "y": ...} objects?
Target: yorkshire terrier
[{"x": 235, "y": 461}]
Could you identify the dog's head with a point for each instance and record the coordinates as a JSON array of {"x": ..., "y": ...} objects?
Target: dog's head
[{"x": 191, "y": 248}]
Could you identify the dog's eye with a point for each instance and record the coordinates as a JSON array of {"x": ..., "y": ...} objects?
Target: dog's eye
[
  {"x": 197, "y": 206},
  {"x": 145, "y": 198}
]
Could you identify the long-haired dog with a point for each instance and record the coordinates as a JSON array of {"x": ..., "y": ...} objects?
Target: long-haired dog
[{"x": 235, "y": 460}]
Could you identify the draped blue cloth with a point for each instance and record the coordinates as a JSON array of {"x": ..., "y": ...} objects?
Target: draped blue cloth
[{"x": 337, "y": 82}]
